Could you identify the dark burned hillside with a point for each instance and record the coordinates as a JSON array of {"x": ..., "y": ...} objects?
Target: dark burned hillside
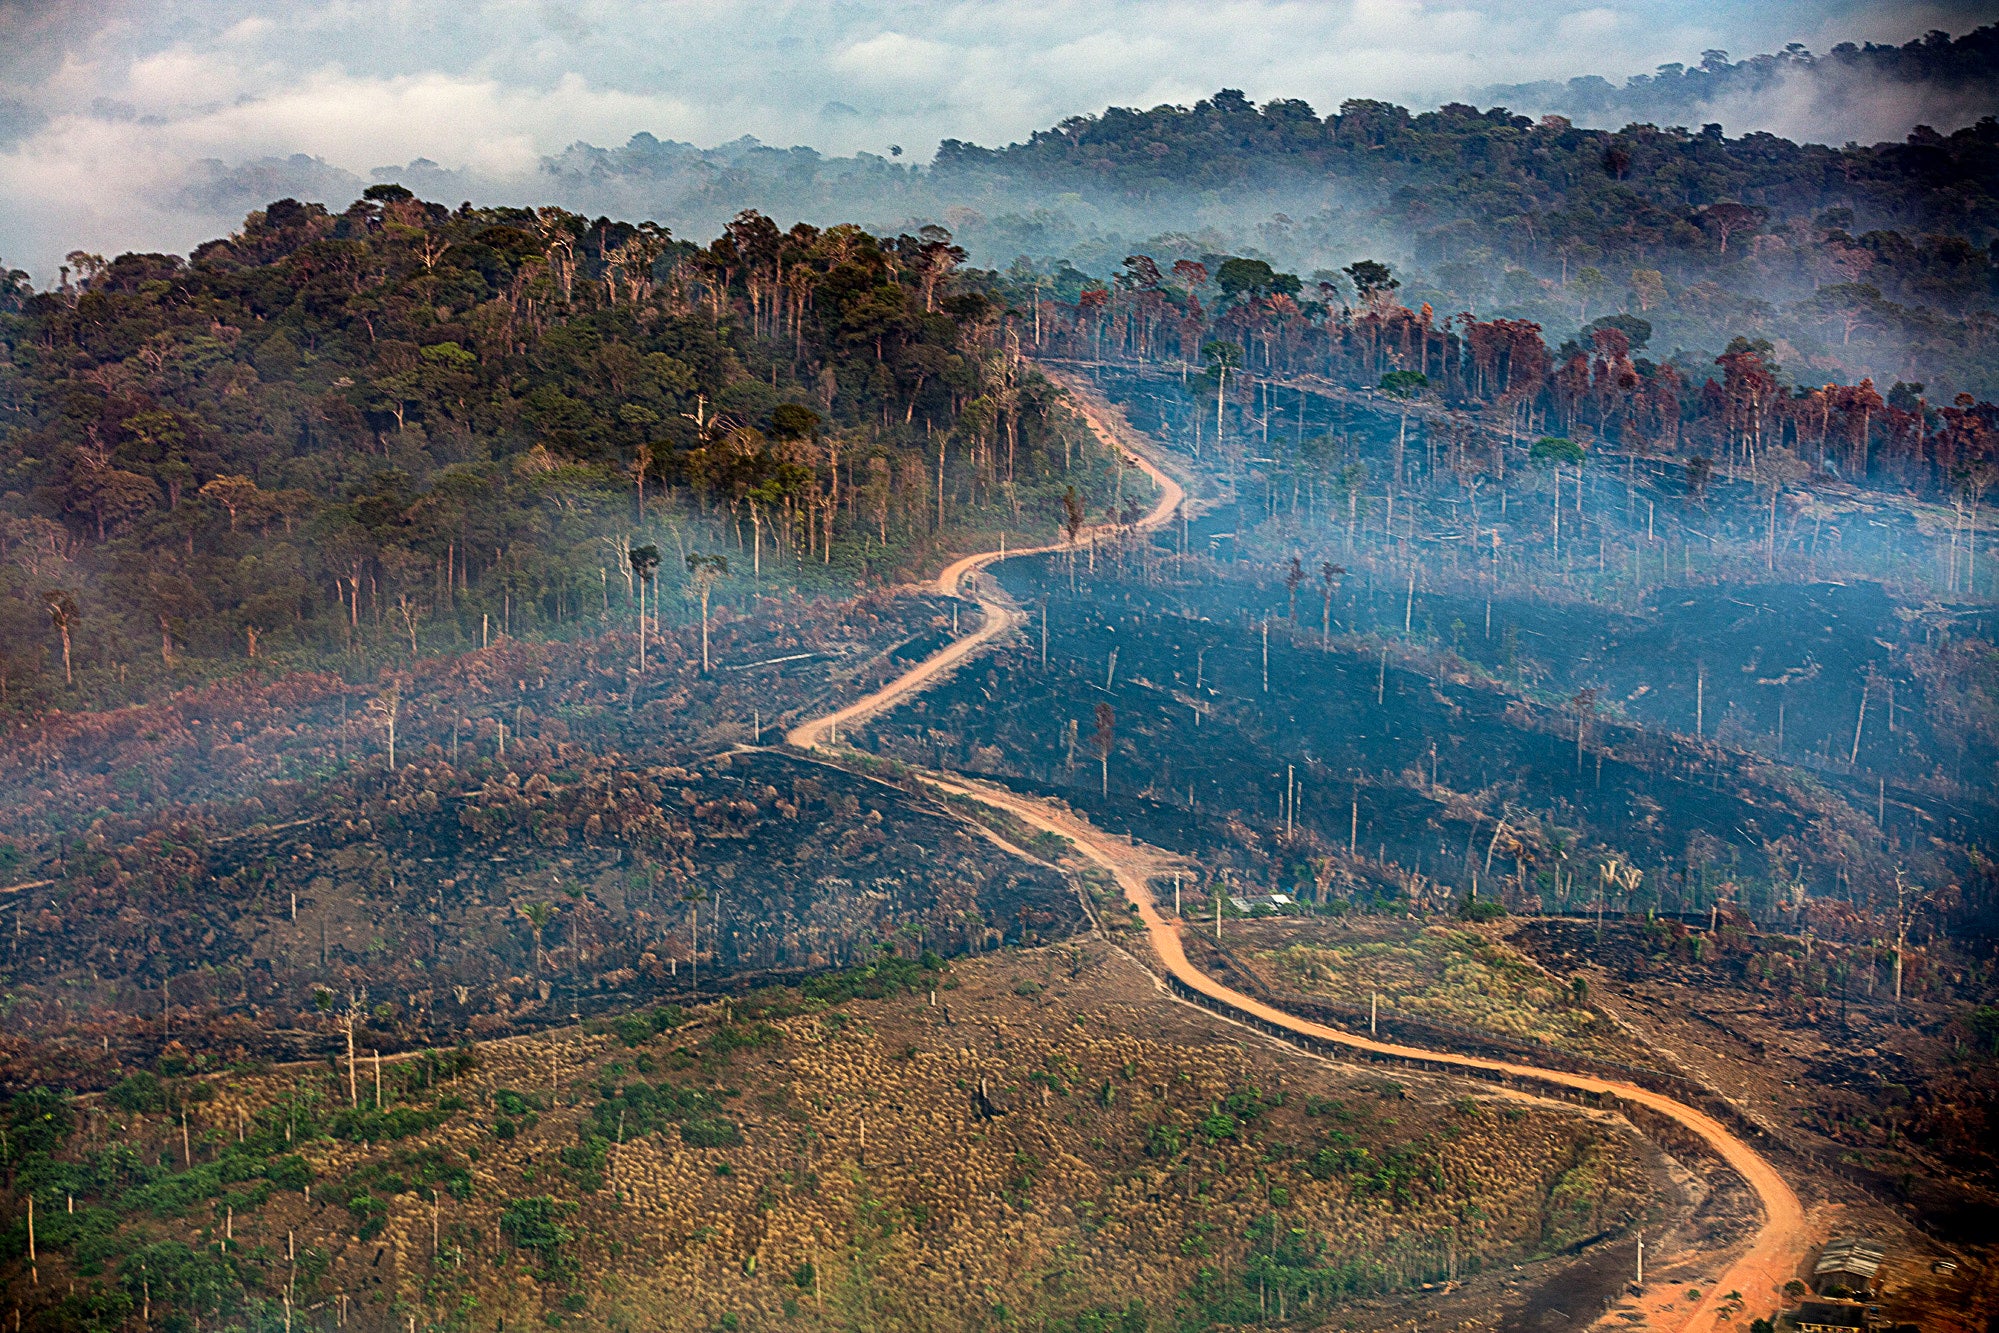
[
  {"x": 556, "y": 829},
  {"x": 277, "y": 748},
  {"x": 1345, "y": 770},
  {"x": 382, "y": 591},
  {"x": 445, "y": 906}
]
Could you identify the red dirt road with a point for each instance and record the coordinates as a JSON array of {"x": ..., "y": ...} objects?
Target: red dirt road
[
  {"x": 998, "y": 614},
  {"x": 1759, "y": 1271}
]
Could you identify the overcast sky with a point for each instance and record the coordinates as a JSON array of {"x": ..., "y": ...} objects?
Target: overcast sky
[{"x": 110, "y": 108}]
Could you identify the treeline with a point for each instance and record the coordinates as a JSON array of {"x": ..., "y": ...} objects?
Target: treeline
[
  {"x": 402, "y": 429},
  {"x": 1502, "y": 172},
  {"x": 1677, "y": 93},
  {"x": 1867, "y": 261},
  {"x": 1500, "y": 379}
]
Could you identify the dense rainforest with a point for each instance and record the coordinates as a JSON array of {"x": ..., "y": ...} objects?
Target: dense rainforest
[
  {"x": 1856, "y": 262},
  {"x": 1863, "y": 260},
  {"x": 401, "y": 430},
  {"x": 1933, "y": 70}
]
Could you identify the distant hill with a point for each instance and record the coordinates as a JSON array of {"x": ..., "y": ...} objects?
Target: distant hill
[{"x": 1862, "y": 93}]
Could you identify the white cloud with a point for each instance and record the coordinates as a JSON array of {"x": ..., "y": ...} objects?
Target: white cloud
[{"x": 488, "y": 87}]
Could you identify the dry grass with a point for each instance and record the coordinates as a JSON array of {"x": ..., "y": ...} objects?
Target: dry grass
[
  {"x": 1441, "y": 973},
  {"x": 1052, "y": 1136}
]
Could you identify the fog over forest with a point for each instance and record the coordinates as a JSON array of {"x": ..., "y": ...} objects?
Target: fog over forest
[{"x": 1277, "y": 687}]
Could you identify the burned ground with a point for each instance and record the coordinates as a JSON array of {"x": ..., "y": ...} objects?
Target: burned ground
[
  {"x": 1433, "y": 755},
  {"x": 1893, "y": 1103},
  {"x": 452, "y": 903},
  {"x": 227, "y": 869},
  {"x": 253, "y": 750}
]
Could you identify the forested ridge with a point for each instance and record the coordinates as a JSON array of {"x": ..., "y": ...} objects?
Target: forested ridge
[
  {"x": 1676, "y": 92},
  {"x": 400, "y": 429},
  {"x": 1855, "y": 262}
]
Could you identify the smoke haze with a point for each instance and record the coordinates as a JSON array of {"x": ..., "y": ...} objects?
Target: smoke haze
[{"x": 153, "y": 126}]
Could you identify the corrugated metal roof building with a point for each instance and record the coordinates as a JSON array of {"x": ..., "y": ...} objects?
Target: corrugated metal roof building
[{"x": 1849, "y": 1261}]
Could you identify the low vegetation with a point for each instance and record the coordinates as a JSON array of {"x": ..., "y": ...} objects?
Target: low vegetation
[{"x": 775, "y": 1161}]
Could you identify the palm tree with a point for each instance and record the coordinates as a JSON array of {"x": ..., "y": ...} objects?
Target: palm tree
[
  {"x": 705, "y": 570},
  {"x": 537, "y": 915},
  {"x": 644, "y": 561}
]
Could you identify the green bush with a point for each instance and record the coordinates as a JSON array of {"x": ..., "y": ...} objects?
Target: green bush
[
  {"x": 513, "y": 1103},
  {"x": 536, "y": 1225},
  {"x": 1218, "y": 1124},
  {"x": 888, "y": 975},
  {"x": 367, "y": 1125},
  {"x": 139, "y": 1093},
  {"x": 710, "y": 1131},
  {"x": 290, "y": 1172}
]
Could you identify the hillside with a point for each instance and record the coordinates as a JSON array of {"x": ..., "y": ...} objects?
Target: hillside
[
  {"x": 364, "y": 437},
  {"x": 1039, "y": 1137}
]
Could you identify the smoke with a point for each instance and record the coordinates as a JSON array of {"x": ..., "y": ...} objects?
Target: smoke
[
  {"x": 1852, "y": 94},
  {"x": 1820, "y": 105},
  {"x": 129, "y": 127}
]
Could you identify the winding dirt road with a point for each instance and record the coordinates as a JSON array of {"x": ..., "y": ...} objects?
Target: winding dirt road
[
  {"x": 997, "y": 614},
  {"x": 1758, "y": 1272}
]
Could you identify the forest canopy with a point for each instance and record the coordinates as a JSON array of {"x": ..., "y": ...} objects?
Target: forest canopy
[{"x": 403, "y": 424}]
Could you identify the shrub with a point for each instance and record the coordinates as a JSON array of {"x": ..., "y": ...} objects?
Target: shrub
[
  {"x": 38, "y": 1122},
  {"x": 586, "y": 1162},
  {"x": 367, "y": 1125},
  {"x": 743, "y": 1037},
  {"x": 888, "y": 975},
  {"x": 290, "y": 1172},
  {"x": 513, "y": 1103},
  {"x": 1218, "y": 1124},
  {"x": 140, "y": 1092},
  {"x": 710, "y": 1131},
  {"x": 535, "y": 1225}
]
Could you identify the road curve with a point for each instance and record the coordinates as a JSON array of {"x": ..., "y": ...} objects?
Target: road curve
[
  {"x": 1758, "y": 1273},
  {"x": 997, "y": 615}
]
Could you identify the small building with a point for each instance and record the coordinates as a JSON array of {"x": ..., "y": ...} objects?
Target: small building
[
  {"x": 1271, "y": 901},
  {"x": 1830, "y": 1317},
  {"x": 1848, "y": 1266}
]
